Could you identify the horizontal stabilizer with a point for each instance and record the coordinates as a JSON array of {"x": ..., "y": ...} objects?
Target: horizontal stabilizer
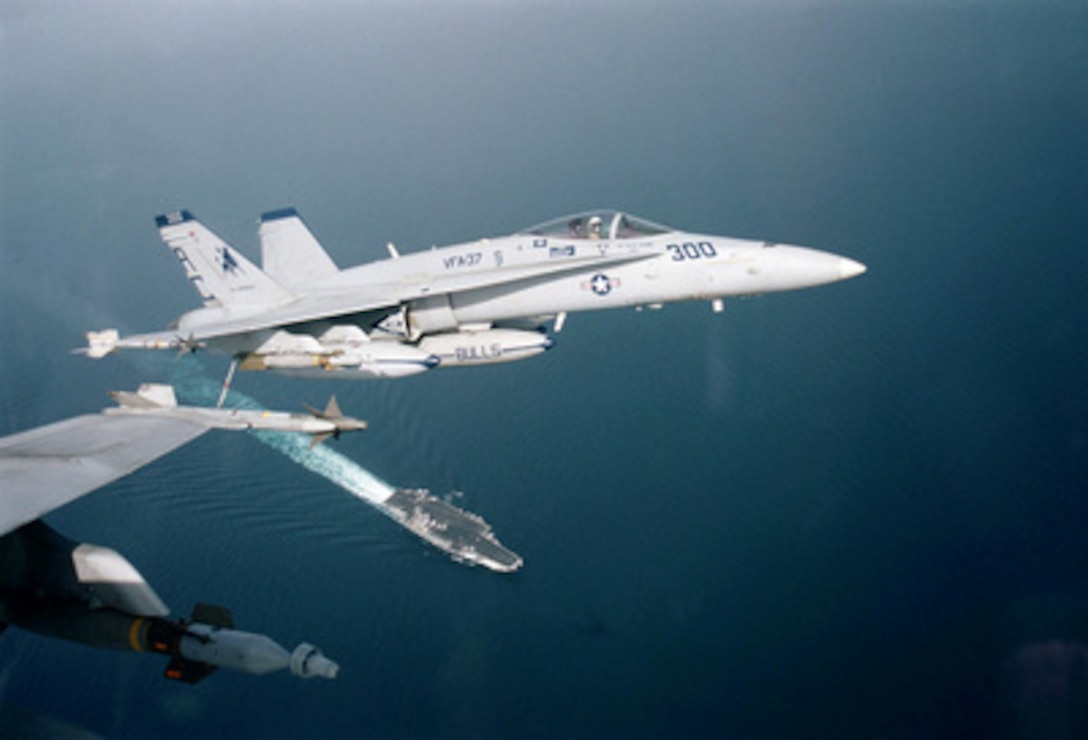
[{"x": 290, "y": 254}]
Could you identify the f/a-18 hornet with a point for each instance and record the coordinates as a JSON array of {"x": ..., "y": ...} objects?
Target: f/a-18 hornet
[{"x": 476, "y": 303}]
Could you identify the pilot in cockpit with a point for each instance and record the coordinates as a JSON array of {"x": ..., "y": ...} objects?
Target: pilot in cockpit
[{"x": 596, "y": 230}]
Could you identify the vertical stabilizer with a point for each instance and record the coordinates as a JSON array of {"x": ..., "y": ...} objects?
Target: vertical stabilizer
[
  {"x": 218, "y": 272},
  {"x": 290, "y": 254}
]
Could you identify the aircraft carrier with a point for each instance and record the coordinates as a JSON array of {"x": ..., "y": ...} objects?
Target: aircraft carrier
[{"x": 465, "y": 536}]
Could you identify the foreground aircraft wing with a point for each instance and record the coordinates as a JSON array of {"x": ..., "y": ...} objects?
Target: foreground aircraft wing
[
  {"x": 93, "y": 595},
  {"x": 389, "y": 295},
  {"x": 42, "y": 469}
]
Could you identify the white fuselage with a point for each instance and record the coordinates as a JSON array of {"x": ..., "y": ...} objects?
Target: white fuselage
[{"x": 661, "y": 269}]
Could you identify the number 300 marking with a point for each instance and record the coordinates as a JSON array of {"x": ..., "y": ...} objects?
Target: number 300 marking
[{"x": 692, "y": 251}]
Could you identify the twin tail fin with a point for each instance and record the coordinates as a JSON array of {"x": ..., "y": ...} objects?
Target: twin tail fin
[
  {"x": 290, "y": 254},
  {"x": 221, "y": 275}
]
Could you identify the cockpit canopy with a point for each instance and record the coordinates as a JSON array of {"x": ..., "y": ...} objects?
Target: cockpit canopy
[{"x": 598, "y": 225}]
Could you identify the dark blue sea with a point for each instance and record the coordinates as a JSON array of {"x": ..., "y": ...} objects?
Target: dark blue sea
[{"x": 853, "y": 511}]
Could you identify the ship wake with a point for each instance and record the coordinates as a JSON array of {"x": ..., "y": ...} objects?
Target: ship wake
[{"x": 464, "y": 536}]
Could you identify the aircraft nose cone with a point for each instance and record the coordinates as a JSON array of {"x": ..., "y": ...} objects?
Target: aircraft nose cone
[
  {"x": 786, "y": 267},
  {"x": 849, "y": 268}
]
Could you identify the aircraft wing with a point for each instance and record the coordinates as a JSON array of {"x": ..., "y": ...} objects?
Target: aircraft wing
[
  {"x": 45, "y": 468},
  {"x": 389, "y": 295}
]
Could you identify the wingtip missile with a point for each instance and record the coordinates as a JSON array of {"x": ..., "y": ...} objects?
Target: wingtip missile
[
  {"x": 159, "y": 400},
  {"x": 108, "y": 341}
]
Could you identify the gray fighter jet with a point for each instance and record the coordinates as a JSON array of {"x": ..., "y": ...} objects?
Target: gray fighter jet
[
  {"x": 477, "y": 303},
  {"x": 54, "y": 586}
]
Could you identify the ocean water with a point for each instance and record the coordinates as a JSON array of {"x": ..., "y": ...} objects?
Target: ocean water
[{"x": 838, "y": 512}]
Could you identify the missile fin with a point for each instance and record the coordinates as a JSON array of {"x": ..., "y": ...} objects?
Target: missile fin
[
  {"x": 332, "y": 411},
  {"x": 319, "y": 438}
]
